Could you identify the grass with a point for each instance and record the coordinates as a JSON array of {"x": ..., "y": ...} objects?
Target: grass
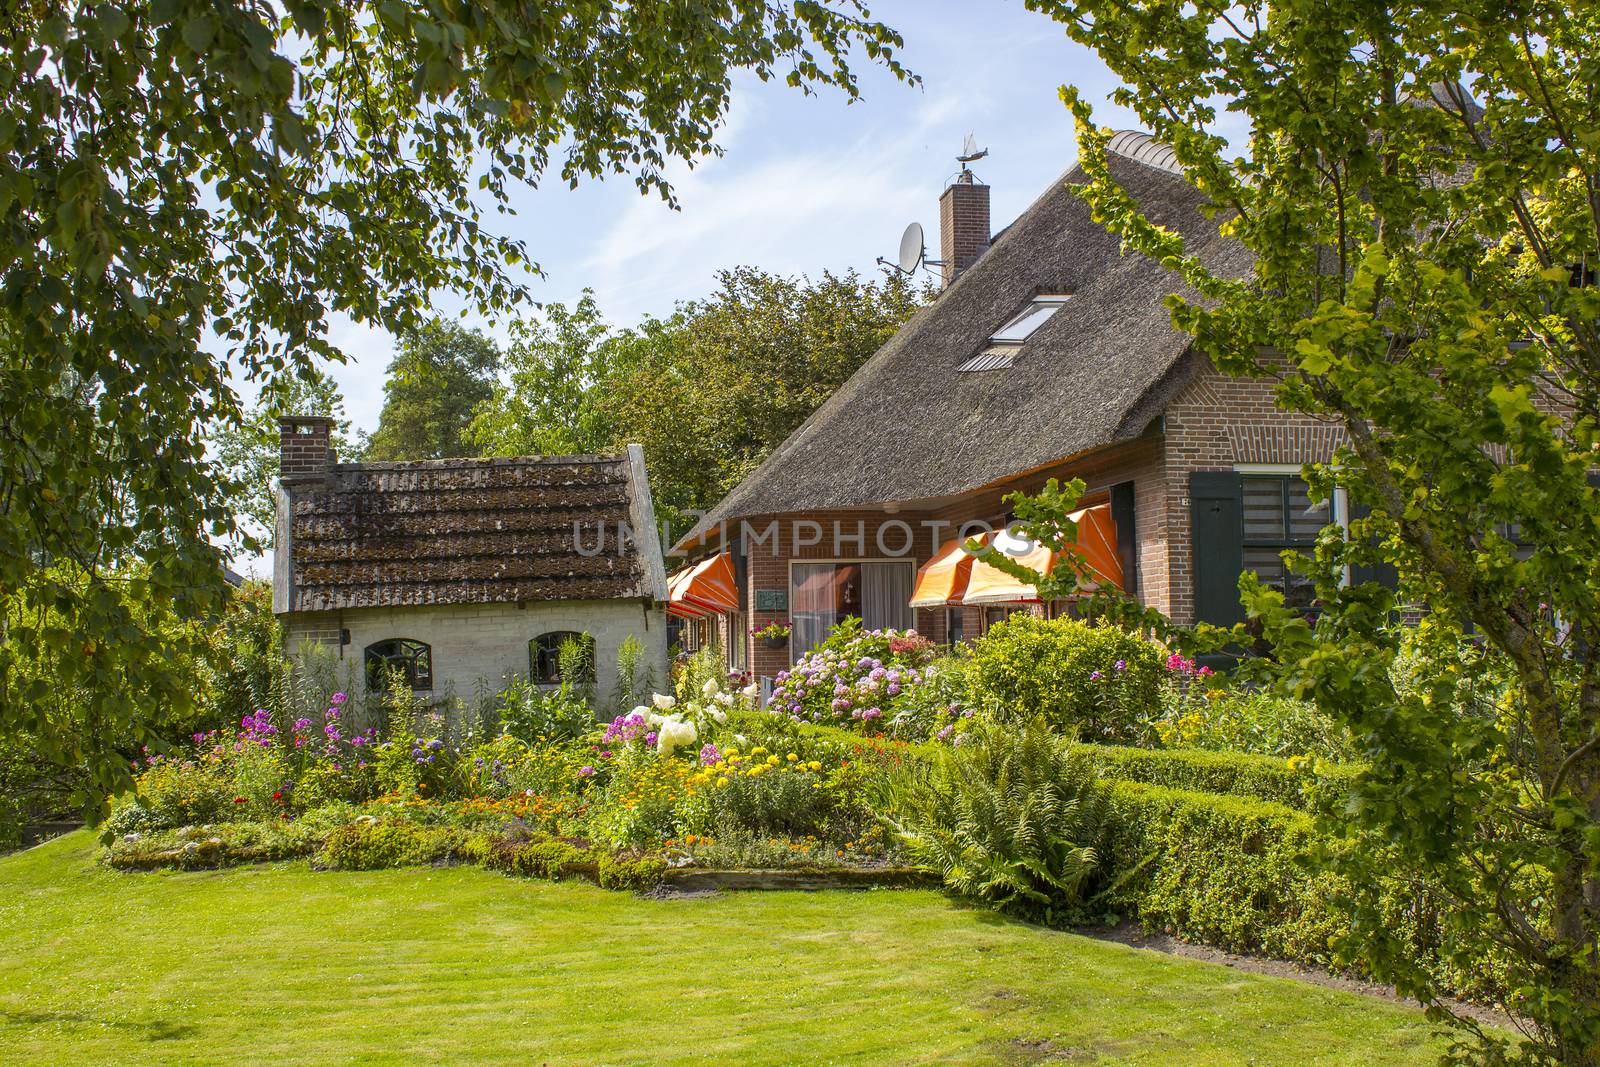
[{"x": 282, "y": 964}]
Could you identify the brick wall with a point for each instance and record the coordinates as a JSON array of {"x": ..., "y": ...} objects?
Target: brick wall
[
  {"x": 1214, "y": 423},
  {"x": 488, "y": 642}
]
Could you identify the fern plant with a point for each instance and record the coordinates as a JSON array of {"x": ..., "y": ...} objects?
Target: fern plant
[{"x": 1011, "y": 817}]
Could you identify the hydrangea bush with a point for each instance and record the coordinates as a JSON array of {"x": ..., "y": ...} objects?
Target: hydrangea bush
[{"x": 856, "y": 678}]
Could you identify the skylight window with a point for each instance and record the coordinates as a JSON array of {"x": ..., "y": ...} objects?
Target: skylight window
[
  {"x": 1029, "y": 319},
  {"x": 1007, "y": 341}
]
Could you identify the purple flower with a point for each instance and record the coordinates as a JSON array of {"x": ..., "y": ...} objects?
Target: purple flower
[
  {"x": 339, "y": 698},
  {"x": 585, "y": 771},
  {"x": 1096, "y": 676},
  {"x": 709, "y": 754},
  {"x": 1121, "y": 665}
]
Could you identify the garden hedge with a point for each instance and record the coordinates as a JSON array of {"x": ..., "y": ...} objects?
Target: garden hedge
[
  {"x": 1231, "y": 872},
  {"x": 1303, "y": 784}
]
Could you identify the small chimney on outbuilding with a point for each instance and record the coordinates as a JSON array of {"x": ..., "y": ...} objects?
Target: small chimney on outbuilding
[
  {"x": 963, "y": 224},
  {"x": 304, "y": 452}
]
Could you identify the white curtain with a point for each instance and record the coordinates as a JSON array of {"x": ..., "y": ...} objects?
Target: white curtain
[
  {"x": 812, "y": 605},
  {"x": 886, "y": 595}
]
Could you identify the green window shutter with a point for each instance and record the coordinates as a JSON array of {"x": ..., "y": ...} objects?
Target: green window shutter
[
  {"x": 1217, "y": 529},
  {"x": 1383, "y": 573}
]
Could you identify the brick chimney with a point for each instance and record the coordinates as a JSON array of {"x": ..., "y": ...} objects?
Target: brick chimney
[
  {"x": 963, "y": 224},
  {"x": 303, "y": 449}
]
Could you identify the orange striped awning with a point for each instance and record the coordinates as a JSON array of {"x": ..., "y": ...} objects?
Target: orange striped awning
[
  {"x": 704, "y": 588},
  {"x": 1096, "y": 544},
  {"x": 943, "y": 579}
]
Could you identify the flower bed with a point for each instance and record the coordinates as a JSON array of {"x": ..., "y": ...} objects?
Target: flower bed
[{"x": 855, "y": 676}]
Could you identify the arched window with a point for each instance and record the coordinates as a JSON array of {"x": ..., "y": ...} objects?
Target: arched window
[
  {"x": 544, "y": 657},
  {"x": 413, "y": 659}
]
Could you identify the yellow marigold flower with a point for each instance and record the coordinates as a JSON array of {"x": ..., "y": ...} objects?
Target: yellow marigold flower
[
  {"x": 772, "y": 761},
  {"x": 758, "y": 751},
  {"x": 792, "y": 757},
  {"x": 722, "y": 783},
  {"x": 814, "y": 765}
]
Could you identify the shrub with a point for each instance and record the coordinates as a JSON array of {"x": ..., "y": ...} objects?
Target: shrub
[
  {"x": 940, "y": 707},
  {"x": 1295, "y": 783},
  {"x": 1244, "y": 721},
  {"x": 638, "y": 807},
  {"x": 1011, "y": 817},
  {"x": 533, "y": 858},
  {"x": 1239, "y": 873},
  {"x": 637, "y": 873},
  {"x": 858, "y": 678},
  {"x": 531, "y": 714},
  {"x": 1222, "y": 870},
  {"x": 1099, "y": 681},
  {"x": 760, "y": 793},
  {"x": 370, "y": 844},
  {"x": 186, "y": 792}
]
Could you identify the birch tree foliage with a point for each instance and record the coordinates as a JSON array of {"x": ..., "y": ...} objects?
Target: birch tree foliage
[{"x": 187, "y": 185}]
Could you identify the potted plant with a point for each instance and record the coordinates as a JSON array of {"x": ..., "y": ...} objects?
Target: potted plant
[{"x": 772, "y": 635}]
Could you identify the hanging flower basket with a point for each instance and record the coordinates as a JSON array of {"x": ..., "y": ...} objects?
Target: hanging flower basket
[{"x": 773, "y": 635}]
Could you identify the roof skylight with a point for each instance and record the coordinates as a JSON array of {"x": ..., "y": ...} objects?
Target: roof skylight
[
  {"x": 1029, "y": 319},
  {"x": 1007, "y": 341}
]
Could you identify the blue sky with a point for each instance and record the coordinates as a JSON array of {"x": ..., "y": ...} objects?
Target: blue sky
[{"x": 807, "y": 184}]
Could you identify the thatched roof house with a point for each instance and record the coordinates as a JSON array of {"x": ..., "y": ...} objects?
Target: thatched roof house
[
  {"x": 1051, "y": 354},
  {"x": 456, "y": 571}
]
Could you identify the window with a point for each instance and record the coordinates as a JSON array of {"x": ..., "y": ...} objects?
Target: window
[
  {"x": 544, "y": 657},
  {"x": 1029, "y": 319},
  {"x": 955, "y": 624},
  {"x": 822, "y": 595},
  {"x": 412, "y": 660},
  {"x": 737, "y": 641},
  {"x": 994, "y": 616},
  {"x": 1278, "y": 516},
  {"x": 1005, "y": 342}
]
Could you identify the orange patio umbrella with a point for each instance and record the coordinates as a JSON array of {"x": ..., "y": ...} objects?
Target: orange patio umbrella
[{"x": 1096, "y": 544}]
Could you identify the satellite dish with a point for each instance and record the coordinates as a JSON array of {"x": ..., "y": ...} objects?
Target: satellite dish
[{"x": 911, "y": 248}]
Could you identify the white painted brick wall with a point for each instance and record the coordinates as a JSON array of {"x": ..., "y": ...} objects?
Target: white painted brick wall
[{"x": 489, "y": 641}]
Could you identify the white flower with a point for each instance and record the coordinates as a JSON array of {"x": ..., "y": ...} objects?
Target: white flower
[
  {"x": 719, "y": 715},
  {"x": 673, "y": 734},
  {"x": 741, "y": 740},
  {"x": 725, "y": 699},
  {"x": 662, "y": 701},
  {"x": 710, "y": 689},
  {"x": 751, "y": 691}
]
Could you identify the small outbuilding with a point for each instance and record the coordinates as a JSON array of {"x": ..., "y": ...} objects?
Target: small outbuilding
[{"x": 466, "y": 573}]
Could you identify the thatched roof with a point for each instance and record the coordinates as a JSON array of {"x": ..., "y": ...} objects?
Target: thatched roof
[
  {"x": 468, "y": 532},
  {"x": 910, "y": 427}
]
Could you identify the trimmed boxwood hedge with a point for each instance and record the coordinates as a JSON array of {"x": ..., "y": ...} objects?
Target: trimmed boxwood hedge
[
  {"x": 1224, "y": 870},
  {"x": 1304, "y": 785},
  {"x": 1301, "y": 784}
]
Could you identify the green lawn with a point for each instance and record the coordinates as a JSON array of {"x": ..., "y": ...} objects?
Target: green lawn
[{"x": 286, "y": 965}]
